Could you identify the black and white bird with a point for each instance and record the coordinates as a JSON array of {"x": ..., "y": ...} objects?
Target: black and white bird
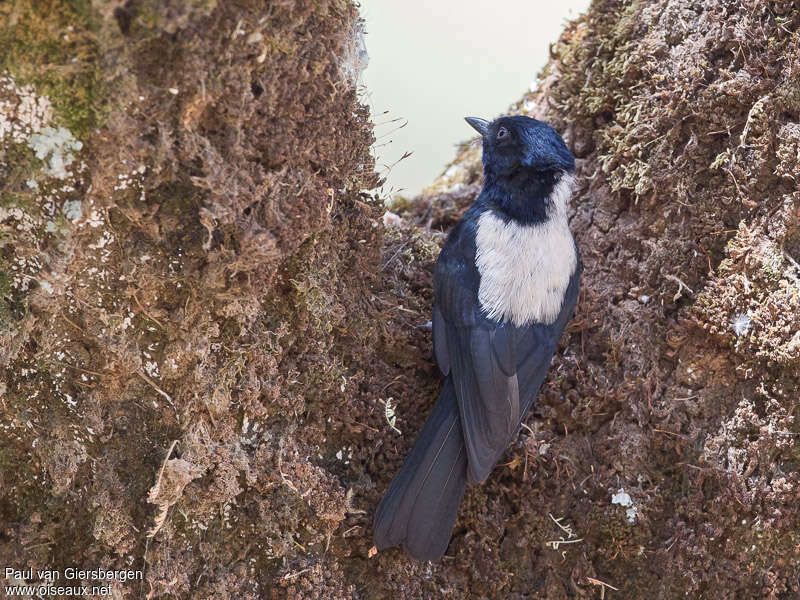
[{"x": 505, "y": 285}]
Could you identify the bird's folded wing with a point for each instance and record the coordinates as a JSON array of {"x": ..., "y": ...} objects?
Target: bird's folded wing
[
  {"x": 485, "y": 381},
  {"x": 480, "y": 356}
]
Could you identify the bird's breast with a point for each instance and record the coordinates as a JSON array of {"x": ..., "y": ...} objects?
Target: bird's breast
[{"x": 524, "y": 269}]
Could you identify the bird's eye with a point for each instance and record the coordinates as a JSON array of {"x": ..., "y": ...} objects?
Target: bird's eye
[{"x": 502, "y": 133}]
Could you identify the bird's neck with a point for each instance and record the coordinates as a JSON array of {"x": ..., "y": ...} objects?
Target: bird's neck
[{"x": 526, "y": 196}]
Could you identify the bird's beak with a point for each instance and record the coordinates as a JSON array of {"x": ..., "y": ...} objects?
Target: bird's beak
[{"x": 479, "y": 125}]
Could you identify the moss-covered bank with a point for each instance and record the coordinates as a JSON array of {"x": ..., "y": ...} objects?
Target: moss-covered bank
[{"x": 203, "y": 317}]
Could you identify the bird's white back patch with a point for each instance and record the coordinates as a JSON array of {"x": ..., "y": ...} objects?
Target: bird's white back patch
[{"x": 525, "y": 269}]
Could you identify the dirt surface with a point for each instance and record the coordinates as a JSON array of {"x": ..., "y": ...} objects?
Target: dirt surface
[{"x": 206, "y": 328}]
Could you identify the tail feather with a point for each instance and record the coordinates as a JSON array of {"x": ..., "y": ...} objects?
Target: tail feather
[{"x": 421, "y": 505}]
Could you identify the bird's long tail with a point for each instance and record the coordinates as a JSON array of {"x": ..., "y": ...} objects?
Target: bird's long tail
[{"x": 421, "y": 504}]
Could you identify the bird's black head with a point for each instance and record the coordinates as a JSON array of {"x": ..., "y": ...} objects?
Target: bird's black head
[{"x": 523, "y": 162}]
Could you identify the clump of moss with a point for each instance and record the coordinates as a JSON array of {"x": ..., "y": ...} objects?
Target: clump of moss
[
  {"x": 752, "y": 303},
  {"x": 53, "y": 45},
  {"x": 315, "y": 287}
]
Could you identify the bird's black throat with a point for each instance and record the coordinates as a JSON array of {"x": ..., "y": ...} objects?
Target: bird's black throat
[{"x": 522, "y": 195}]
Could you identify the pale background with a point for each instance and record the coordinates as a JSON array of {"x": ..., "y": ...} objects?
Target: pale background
[{"x": 433, "y": 62}]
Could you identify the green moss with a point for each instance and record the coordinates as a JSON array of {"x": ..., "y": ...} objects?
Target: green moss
[
  {"x": 398, "y": 203},
  {"x": 52, "y": 45},
  {"x": 788, "y": 95},
  {"x": 151, "y": 15},
  {"x": 12, "y": 301},
  {"x": 176, "y": 198},
  {"x": 18, "y": 166},
  {"x": 6, "y": 311},
  {"x": 314, "y": 292}
]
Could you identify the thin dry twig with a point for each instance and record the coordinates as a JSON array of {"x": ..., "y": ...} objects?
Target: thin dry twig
[
  {"x": 603, "y": 585},
  {"x": 148, "y": 315},
  {"x": 681, "y": 287},
  {"x": 162, "y": 515},
  {"x": 567, "y": 529},
  {"x": 158, "y": 389}
]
